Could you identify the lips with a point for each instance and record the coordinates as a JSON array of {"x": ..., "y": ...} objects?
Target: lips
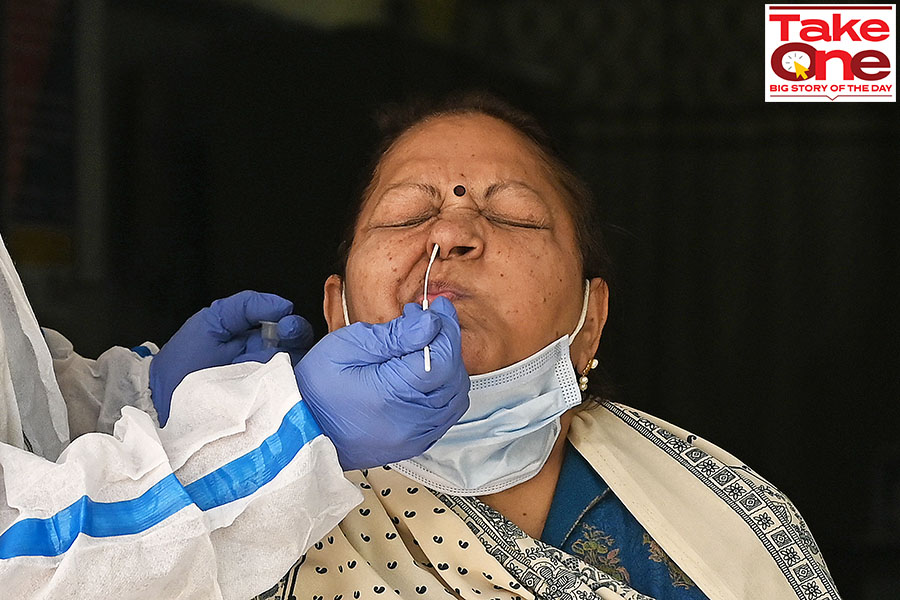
[{"x": 448, "y": 289}]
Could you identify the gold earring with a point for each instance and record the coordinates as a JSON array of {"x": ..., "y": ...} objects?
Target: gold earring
[{"x": 583, "y": 380}]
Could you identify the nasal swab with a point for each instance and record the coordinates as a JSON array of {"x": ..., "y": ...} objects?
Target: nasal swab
[{"x": 434, "y": 254}]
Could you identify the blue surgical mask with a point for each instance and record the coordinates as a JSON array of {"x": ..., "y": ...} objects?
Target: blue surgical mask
[{"x": 512, "y": 423}]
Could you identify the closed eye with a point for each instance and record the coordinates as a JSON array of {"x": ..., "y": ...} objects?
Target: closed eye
[
  {"x": 516, "y": 204},
  {"x": 501, "y": 220},
  {"x": 410, "y": 222}
]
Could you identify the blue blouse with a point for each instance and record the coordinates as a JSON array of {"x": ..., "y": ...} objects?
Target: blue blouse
[{"x": 587, "y": 520}]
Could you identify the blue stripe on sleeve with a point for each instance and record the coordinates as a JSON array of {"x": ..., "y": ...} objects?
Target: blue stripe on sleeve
[
  {"x": 245, "y": 475},
  {"x": 55, "y": 535},
  {"x": 239, "y": 478},
  {"x": 142, "y": 351}
]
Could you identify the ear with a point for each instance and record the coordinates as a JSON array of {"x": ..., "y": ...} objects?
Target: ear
[
  {"x": 588, "y": 339},
  {"x": 332, "y": 305}
]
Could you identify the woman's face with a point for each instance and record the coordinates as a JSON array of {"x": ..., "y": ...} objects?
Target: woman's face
[{"x": 508, "y": 257}]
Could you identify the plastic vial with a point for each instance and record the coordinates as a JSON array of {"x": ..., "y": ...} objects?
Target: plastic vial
[{"x": 269, "y": 331}]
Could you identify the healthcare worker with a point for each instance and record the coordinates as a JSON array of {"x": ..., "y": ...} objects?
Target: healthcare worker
[{"x": 242, "y": 478}]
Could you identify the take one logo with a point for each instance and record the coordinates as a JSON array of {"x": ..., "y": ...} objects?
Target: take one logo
[{"x": 830, "y": 53}]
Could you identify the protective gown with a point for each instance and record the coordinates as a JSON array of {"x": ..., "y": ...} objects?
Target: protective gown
[{"x": 218, "y": 504}]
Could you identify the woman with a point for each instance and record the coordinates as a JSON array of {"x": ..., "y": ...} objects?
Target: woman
[{"x": 534, "y": 493}]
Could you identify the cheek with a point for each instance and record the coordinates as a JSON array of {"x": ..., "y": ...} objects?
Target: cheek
[
  {"x": 376, "y": 272},
  {"x": 537, "y": 264},
  {"x": 538, "y": 283}
]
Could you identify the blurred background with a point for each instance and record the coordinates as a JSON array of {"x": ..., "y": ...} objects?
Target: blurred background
[{"x": 158, "y": 155}]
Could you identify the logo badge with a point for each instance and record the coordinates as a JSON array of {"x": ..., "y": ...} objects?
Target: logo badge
[{"x": 831, "y": 53}]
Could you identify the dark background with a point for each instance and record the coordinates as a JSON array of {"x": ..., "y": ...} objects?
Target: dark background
[{"x": 159, "y": 155}]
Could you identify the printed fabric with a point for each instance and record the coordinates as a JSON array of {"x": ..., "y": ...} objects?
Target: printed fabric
[
  {"x": 708, "y": 517},
  {"x": 588, "y": 521},
  {"x": 409, "y": 542},
  {"x": 729, "y": 530}
]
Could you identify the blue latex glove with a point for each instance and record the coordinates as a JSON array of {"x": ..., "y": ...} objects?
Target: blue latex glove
[
  {"x": 367, "y": 387},
  {"x": 226, "y": 332}
]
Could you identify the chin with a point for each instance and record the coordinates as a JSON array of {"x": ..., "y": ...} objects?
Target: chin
[{"x": 478, "y": 356}]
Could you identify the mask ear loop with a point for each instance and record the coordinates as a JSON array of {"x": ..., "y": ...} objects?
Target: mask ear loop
[
  {"x": 584, "y": 307},
  {"x": 592, "y": 364},
  {"x": 344, "y": 305}
]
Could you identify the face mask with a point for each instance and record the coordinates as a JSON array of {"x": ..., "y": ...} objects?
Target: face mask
[{"x": 509, "y": 430}]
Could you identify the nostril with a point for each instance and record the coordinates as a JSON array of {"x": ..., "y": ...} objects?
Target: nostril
[{"x": 460, "y": 250}]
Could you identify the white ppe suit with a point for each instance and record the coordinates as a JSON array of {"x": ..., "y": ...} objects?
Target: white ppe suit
[{"x": 218, "y": 504}]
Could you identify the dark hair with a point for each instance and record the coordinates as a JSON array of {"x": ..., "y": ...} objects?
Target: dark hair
[{"x": 396, "y": 119}]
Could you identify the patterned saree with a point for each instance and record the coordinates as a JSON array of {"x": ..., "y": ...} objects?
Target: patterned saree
[{"x": 730, "y": 532}]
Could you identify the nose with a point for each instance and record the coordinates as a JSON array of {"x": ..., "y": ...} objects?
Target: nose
[{"x": 458, "y": 235}]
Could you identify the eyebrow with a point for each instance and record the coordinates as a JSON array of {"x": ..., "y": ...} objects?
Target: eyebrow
[
  {"x": 423, "y": 187},
  {"x": 435, "y": 194},
  {"x": 428, "y": 189}
]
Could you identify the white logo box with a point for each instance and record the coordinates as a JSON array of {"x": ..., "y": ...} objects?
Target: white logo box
[{"x": 830, "y": 52}]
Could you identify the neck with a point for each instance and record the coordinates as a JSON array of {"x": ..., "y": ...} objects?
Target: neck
[{"x": 528, "y": 504}]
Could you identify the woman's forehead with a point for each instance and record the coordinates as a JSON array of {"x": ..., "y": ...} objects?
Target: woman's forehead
[
  {"x": 473, "y": 141},
  {"x": 476, "y": 150}
]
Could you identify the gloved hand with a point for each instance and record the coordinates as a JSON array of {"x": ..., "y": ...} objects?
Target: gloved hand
[
  {"x": 367, "y": 387},
  {"x": 226, "y": 332}
]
